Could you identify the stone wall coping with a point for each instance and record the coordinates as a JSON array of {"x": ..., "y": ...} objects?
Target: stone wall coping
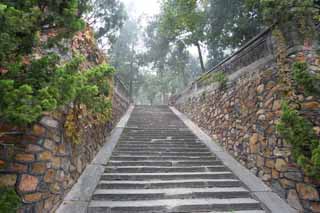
[
  {"x": 77, "y": 200},
  {"x": 270, "y": 200}
]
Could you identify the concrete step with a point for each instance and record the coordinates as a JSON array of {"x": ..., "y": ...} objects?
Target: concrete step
[
  {"x": 159, "y": 165},
  {"x": 161, "y": 194},
  {"x": 159, "y": 146},
  {"x": 153, "y": 169},
  {"x": 164, "y": 163},
  {"x": 167, "y": 176},
  {"x": 173, "y": 154},
  {"x": 161, "y": 143},
  {"x": 176, "y": 205},
  {"x": 164, "y": 149},
  {"x": 163, "y": 184},
  {"x": 173, "y": 158}
]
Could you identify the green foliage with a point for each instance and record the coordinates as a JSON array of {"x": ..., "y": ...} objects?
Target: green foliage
[
  {"x": 21, "y": 22},
  {"x": 298, "y": 132},
  {"x": 17, "y": 32},
  {"x": 107, "y": 17},
  {"x": 43, "y": 86},
  {"x": 216, "y": 77},
  {"x": 184, "y": 20},
  {"x": 9, "y": 200},
  {"x": 230, "y": 24},
  {"x": 302, "y": 12},
  {"x": 221, "y": 78},
  {"x": 305, "y": 79}
]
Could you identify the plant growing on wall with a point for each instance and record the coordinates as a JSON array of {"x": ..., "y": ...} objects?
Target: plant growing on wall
[
  {"x": 298, "y": 131},
  {"x": 304, "y": 79},
  {"x": 9, "y": 200},
  {"x": 216, "y": 77},
  {"x": 29, "y": 87},
  {"x": 45, "y": 87}
]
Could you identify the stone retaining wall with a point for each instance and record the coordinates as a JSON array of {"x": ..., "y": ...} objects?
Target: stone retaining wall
[
  {"x": 242, "y": 118},
  {"x": 42, "y": 164}
]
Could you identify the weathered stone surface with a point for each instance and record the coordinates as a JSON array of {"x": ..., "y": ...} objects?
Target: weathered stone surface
[
  {"x": 38, "y": 130},
  {"x": 311, "y": 105},
  {"x": 28, "y": 183},
  {"x": 25, "y": 157},
  {"x": 307, "y": 192},
  {"x": 46, "y": 155},
  {"x": 49, "y": 122},
  {"x": 281, "y": 165},
  {"x": 49, "y": 144},
  {"x": 287, "y": 184},
  {"x": 260, "y": 88},
  {"x": 254, "y": 143},
  {"x": 56, "y": 162},
  {"x": 39, "y": 168},
  {"x": 55, "y": 188},
  {"x": 294, "y": 175},
  {"x": 293, "y": 200},
  {"x": 50, "y": 176},
  {"x": 315, "y": 207},
  {"x": 33, "y": 148},
  {"x": 17, "y": 167},
  {"x": 31, "y": 198},
  {"x": 7, "y": 180}
]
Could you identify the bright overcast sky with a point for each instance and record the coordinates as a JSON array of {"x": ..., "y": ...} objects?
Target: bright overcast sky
[{"x": 142, "y": 7}]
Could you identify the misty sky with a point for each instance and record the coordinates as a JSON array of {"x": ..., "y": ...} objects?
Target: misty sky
[{"x": 142, "y": 7}]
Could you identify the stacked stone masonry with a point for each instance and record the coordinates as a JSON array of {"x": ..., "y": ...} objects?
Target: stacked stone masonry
[
  {"x": 42, "y": 164},
  {"x": 243, "y": 117}
]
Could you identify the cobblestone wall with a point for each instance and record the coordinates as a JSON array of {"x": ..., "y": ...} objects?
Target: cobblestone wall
[
  {"x": 42, "y": 164},
  {"x": 40, "y": 161},
  {"x": 243, "y": 119}
]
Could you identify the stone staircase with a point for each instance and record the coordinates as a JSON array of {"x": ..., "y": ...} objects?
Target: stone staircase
[{"x": 160, "y": 166}]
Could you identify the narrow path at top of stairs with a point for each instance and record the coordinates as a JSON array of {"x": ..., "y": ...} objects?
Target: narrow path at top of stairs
[{"x": 160, "y": 166}]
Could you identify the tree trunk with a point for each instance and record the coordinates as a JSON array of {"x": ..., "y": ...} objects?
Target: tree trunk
[
  {"x": 200, "y": 57},
  {"x": 131, "y": 74}
]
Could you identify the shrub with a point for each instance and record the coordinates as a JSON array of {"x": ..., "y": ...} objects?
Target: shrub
[
  {"x": 43, "y": 86},
  {"x": 221, "y": 78},
  {"x": 304, "y": 78},
  {"x": 298, "y": 131},
  {"x": 9, "y": 200}
]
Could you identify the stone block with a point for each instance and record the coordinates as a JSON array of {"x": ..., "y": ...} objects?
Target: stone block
[
  {"x": 25, "y": 157},
  {"x": 49, "y": 122},
  {"x": 281, "y": 165},
  {"x": 38, "y": 130},
  {"x": 31, "y": 198},
  {"x": 307, "y": 192},
  {"x": 49, "y": 144},
  {"x": 50, "y": 176},
  {"x": 33, "y": 148},
  {"x": 313, "y": 105},
  {"x": 293, "y": 200},
  {"x": 46, "y": 155},
  {"x": 39, "y": 168},
  {"x": 17, "y": 167},
  {"x": 7, "y": 180},
  {"x": 28, "y": 183}
]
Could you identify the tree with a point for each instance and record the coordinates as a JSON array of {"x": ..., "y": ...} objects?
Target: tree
[
  {"x": 230, "y": 25},
  {"x": 124, "y": 56},
  {"x": 184, "y": 20},
  {"x": 21, "y": 21},
  {"x": 106, "y": 16}
]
